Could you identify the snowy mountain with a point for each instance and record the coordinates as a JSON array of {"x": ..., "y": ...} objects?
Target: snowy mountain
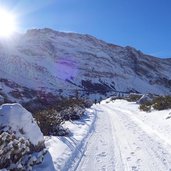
[{"x": 47, "y": 63}]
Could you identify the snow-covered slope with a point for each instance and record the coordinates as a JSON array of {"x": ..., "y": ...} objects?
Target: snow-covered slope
[
  {"x": 123, "y": 138},
  {"x": 43, "y": 60}
]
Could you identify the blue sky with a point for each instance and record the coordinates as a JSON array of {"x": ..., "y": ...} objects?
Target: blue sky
[{"x": 143, "y": 24}]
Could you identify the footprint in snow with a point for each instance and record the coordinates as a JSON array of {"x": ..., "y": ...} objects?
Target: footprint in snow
[
  {"x": 134, "y": 168},
  {"x": 128, "y": 158},
  {"x": 98, "y": 160},
  {"x": 164, "y": 153},
  {"x": 103, "y": 154},
  {"x": 132, "y": 153},
  {"x": 138, "y": 160},
  {"x": 138, "y": 148}
]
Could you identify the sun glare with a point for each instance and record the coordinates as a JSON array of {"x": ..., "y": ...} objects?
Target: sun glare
[{"x": 7, "y": 23}]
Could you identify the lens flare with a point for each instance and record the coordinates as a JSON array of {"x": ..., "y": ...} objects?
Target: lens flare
[{"x": 7, "y": 23}]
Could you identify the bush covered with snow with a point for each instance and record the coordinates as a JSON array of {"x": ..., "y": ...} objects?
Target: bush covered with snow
[
  {"x": 113, "y": 98},
  {"x": 72, "y": 102},
  {"x": 50, "y": 122},
  {"x": 146, "y": 98},
  {"x": 146, "y": 106},
  {"x": 16, "y": 153},
  {"x": 162, "y": 102},
  {"x": 73, "y": 113},
  {"x": 74, "y": 108},
  {"x": 157, "y": 103},
  {"x": 133, "y": 97},
  {"x": 21, "y": 141}
]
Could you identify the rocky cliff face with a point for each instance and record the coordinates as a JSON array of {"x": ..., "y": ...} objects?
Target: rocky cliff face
[{"x": 45, "y": 63}]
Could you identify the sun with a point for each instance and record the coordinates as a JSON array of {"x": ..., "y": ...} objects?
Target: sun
[{"x": 7, "y": 23}]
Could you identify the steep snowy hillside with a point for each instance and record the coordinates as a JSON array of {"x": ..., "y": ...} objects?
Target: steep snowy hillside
[{"x": 44, "y": 63}]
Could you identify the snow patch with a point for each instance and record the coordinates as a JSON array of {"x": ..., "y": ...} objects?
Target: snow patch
[{"x": 21, "y": 121}]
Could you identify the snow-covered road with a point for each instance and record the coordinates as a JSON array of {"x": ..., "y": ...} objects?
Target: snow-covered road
[
  {"x": 122, "y": 141},
  {"x": 99, "y": 153}
]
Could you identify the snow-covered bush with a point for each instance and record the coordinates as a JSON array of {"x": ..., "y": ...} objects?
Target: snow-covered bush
[
  {"x": 133, "y": 97},
  {"x": 16, "y": 153},
  {"x": 113, "y": 98},
  {"x": 73, "y": 108},
  {"x": 50, "y": 122},
  {"x": 146, "y": 98},
  {"x": 157, "y": 103},
  {"x": 145, "y": 107},
  {"x": 73, "y": 113},
  {"x": 71, "y": 102},
  {"x": 162, "y": 102},
  {"x": 21, "y": 141}
]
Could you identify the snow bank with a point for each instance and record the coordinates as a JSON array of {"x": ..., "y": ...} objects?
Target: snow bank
[
  {"x": 66, "y": 151},
  {"x": 17, "y": 118}
]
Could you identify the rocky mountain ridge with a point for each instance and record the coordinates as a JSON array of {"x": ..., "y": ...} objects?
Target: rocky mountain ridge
[{"x": 45, "y": 63}]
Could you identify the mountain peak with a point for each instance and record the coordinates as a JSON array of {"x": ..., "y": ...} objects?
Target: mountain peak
[{"x": 45, "y": 61}]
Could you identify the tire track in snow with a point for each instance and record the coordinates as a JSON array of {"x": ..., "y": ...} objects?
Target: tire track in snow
[
  {"x": 140, "y": 150},
  {"x": 99, "y": 154},
  {"x": 120, "y": 143}
]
